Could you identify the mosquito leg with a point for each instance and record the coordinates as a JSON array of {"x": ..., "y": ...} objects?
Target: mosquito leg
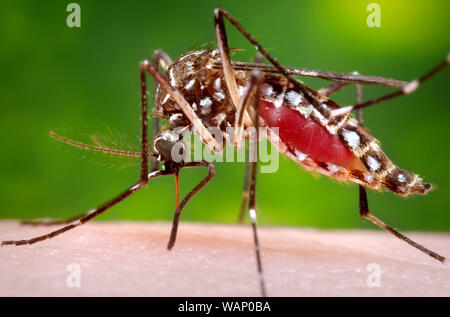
[
  {"x": 230, "y": 78},
  {"x": 224, "y": 50},
  {"x": 248, "y": 98},
  {"x": 364, "y": 212},
  {"x": 219, "y": 14},
  {"x": 406, "y": 90},
  {"x": 155, "y": 163},
  {"x": 144, "y": 133},
  {"x": 349, "y": 78},
  {"x": 144, "y": 160},
  {"x": 162, "y": 59},
  {"x": 204, "y": 181},
  {"x": 332, "y": 88},
  {"x": 89, "y": 215},
  {"x": 207, "y": 137},
  {"x": 364, "y": 205},
  {"x": 252, "y": 198},
  {"x": 245, "y": 189}
]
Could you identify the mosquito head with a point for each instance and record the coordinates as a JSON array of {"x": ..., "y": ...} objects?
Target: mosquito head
[{"x": 169, "y": 146}]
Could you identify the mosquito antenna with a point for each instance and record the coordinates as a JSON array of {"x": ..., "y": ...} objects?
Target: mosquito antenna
[{"x": 95, "y": 148}]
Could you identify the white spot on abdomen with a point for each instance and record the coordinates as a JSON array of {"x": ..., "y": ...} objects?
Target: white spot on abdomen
[
  {"x": 373, "y": 164},
  {"x": 300, "y": 156},
  {"x": 294, "y": 98},
  {"x": 352, "y": 138}
]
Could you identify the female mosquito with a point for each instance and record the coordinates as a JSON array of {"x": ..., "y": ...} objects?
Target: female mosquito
[{"x": 205, "y": 89}]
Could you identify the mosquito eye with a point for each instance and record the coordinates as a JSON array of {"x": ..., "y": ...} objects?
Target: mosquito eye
[{"x": 170, "y": 147}]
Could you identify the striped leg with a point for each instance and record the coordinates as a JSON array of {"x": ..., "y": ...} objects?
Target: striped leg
[
  {"x": 89, "y": 215},
  {"x": 364, "y": 205},
  {"x": 144, "y": 154},
  {"x": 252, "y": 198},
  {"x": 245, "y": 189},
  {"x": 249, "y": 97},
  {"x": 242, "y": 118},
  {"x": 406, "y": 90}
]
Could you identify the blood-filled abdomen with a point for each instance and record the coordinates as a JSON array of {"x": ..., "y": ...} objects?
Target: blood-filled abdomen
[{"x": 307, "y": 136}]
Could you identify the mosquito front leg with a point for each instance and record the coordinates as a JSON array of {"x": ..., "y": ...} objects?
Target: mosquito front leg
[
  {"x": 230, "y": 78},
  {"x": 89, "y": 215},
  {"x": 364, "y": 205},
  {"x": 406, "y": 90},
  {"x": 224, "y": 50},
  {"x": 349, "y": 78},
  {"x": 204, "y": 181}
]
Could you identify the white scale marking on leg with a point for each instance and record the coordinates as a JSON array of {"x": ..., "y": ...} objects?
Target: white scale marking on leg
[
  {"x": 135, "y": 186},
  {"x": 90, "y": 212},
  {"x": 152, "y": 174},
  {"x": 252, "y": 213},
  {"x": 76, "y": 222},
  {"x": 410, "y": 87}
]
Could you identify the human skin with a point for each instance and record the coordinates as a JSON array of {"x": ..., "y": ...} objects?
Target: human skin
[{"x": 131, "y": 259}]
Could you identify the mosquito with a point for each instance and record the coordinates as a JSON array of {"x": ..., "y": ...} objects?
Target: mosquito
[{"x": 204, "y": 89}]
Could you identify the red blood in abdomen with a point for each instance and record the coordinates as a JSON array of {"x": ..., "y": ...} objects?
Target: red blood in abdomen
[{"x": 306, "y": 135}]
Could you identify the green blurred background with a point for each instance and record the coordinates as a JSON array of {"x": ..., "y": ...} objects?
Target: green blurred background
[{"x": 86, "y": 80}]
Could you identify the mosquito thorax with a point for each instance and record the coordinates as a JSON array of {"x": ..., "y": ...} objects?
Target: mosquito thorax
[{"x": 203, "y": 87}]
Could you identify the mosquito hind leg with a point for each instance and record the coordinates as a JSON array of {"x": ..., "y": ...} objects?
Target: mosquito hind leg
[
  {"x": 406, "y": 90},
  {"x": 364, "y": 205},
  {"x": 365, "y": 213},
  {"x": 144, "y": 156},
  {"x": 219, "y": 15}
]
